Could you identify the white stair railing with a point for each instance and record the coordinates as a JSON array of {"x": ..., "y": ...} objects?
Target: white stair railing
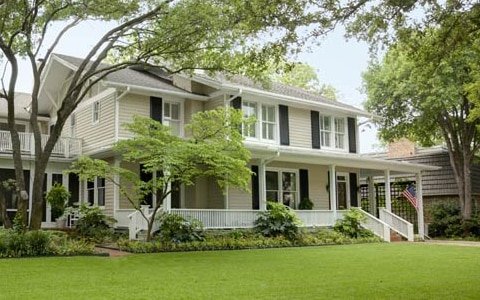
[
  {"x": 397, "y": 224},
  {"x": 377, "y": 226},
  {"x": 137, "y": 223}
]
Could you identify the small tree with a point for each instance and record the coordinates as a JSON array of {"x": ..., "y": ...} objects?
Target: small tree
[
  {"x": 57, "y": 197},
  {"x": 214, "y": 149}
]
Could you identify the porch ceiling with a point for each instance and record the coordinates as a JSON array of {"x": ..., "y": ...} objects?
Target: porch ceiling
[{"x": 369, "y": 166}]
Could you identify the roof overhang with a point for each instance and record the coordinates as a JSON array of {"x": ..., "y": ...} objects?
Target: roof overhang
[
  {"x": 153, "y": 91},
  {"x": 371, "y": 166}
]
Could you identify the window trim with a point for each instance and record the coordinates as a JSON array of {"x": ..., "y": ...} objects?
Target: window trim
[
  {"x": 260, "y": 122},
  {"x": 181, "y": 114},
  {"x": 96, "y": 189},
  {"x": 332, "y": 132},
  {"x": 280, "y": 190}
]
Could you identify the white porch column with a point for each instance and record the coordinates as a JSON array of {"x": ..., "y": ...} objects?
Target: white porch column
[
  {"x": 333, "y": 191},
  {"x": 371, "y": 196},
  {"x": 48, "y": 212},
  {"x": 388, "y": 195},
  {"x": 419, "y": 188},
  {"x": 30, "y": 192},
  {"x": 116, "y": 188},
  {"x": 262, "y": 186}
]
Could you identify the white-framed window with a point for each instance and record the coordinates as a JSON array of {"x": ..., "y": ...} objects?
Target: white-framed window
[
  {"x": 172, "y": 117},
  {"x": 333, "y": 132},
  {"x": 250, "y": 111},
  {"x": 266, "y": 126},
  {"x": 95, "y": 191},
  {"x": 95, "y": 111},
  {"x": 282, "y": 186},
  {"x": 73, "y": 122}
]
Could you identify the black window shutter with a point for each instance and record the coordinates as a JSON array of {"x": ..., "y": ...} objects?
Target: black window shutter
[
  {"x": 236, "y": 103},
  {"x": 352, "y": 140},
  {"x": 353, "y": 190},
  {"x": 304, "y": 193},
  {"x": 255, "y": 189},
  {"x": 315, "y": 120},
  {"x": 156, "y": 109},
  {"x": 284, "y": 127}
]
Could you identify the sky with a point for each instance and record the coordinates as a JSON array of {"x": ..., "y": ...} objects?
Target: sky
[{"x": 338, "y": 62}]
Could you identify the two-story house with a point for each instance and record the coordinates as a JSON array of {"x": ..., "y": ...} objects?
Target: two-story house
[{"x": 303, "y": 145}]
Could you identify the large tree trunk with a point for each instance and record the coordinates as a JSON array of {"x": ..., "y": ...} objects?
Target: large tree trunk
[{"x": 3, "y": 211}]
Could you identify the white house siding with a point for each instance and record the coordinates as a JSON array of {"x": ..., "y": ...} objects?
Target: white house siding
[
  {"x": 238, "y": 199},
  {"x": 109, "y": 192},
  {"x": 191, "y": 107},
  {"x": 216, "y": 199},
  {"x": 123, "y": 201},
  {"x": 214, "y": 103},
  {"x": 131, "y": 105},
  {"x": 300, "y": 127},
  {"x": 99, "y": 134}
]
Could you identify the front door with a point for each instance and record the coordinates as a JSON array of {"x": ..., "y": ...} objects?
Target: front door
[{"x": 343, "y": 194}]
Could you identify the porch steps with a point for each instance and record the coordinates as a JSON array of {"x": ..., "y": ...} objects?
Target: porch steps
[{"x": 395, "y": 237}]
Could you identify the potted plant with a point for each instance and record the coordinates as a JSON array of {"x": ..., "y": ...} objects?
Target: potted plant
[
  {"x": 305, "y": 204},
  {"x": 58, "y": 197}
]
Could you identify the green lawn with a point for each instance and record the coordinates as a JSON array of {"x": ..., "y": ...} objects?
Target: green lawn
[{"x": 368, "y": 271}]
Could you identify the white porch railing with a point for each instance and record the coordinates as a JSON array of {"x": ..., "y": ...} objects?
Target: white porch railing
[
  {"x": 311, "y": 218},
  {"x": 377, "y": 226},
  {"x": 220, "y": 218},
  {"x": 137, "y": 223},
  {"x": 65, "y": 146},
  {"x": 403, "y": 227}
]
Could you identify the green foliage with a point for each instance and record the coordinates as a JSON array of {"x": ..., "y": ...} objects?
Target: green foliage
[
  {"x": 177, "y": 229},
  {"x": 278, "y": 220},
  {"x": 57, "y": 197},
  {"x": 447, "y": 222},
  {"x": 305, "y": 204},
  {"x": 350, "y": 225},
  {"x": 93, "y": 224}
]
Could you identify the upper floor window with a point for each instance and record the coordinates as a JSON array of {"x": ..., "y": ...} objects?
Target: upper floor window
[
  {"x": 265, "y": 127},
  {"x": 19, "y": 127},
  {"x": 332, "y": 132},
  {"x": 172, "y": 117},
  {"x": 96, "y": 111}
]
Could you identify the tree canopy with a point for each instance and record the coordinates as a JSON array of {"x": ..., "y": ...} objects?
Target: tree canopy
[{"x": 228, "y": 35}]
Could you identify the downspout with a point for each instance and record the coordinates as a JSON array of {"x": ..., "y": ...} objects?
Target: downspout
[{"x": 117, "y": 112}]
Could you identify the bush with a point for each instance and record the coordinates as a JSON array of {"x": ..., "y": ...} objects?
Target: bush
[
  {"x": 447, "y": 221},
  {"x": 350, "y": 225},
  {"x": 278, "y": 220},
  {"x": 93, "y": 224},
  {"x": 305, "y": 204},
  {"x": 177, "y": 229},
  {"x": 57, "y": 197}
]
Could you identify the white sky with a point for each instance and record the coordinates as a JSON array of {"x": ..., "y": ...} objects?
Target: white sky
[{"x": 338, "y": 62}]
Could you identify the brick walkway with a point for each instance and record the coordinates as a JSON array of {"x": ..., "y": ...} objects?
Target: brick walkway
[
  {"x": 456, "y": 243},
  {"x": 111, "y": 252}
]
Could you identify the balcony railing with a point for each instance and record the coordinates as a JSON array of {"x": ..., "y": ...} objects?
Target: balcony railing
[{"x": 65, "y": 146}]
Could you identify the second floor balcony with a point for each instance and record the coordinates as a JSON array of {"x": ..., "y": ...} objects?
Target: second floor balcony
[{"x": 65, "y": 147}]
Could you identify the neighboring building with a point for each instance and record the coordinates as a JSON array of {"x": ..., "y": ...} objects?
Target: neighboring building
[{"x": 301, "y": 140}]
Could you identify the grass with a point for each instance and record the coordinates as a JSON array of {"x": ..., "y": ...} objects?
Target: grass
[{"x": 368, "y": 271}]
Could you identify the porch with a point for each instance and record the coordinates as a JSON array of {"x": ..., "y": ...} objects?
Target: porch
[{"x": 65, "y": 147}]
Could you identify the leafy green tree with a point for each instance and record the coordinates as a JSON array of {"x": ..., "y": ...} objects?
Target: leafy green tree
[
  {"x": 214, "y": 149},
  {"x": 429, "y": 102},
  {"x": 227, "y": 35},
  {"x": 304, "y": 76}
]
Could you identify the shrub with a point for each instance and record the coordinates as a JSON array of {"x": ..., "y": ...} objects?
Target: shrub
[
  {"x": 93, "y": 224},
  {"x": 177, "y": 229},
  {"x": 305, "y": 204},
  {"x": 446, "y": 220},
  {"x": 278, "y": 220},
  {"x": 350, "y": 225}
]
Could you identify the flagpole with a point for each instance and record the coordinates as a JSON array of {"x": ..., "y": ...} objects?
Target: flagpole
[{"x": 421, "y": 224}]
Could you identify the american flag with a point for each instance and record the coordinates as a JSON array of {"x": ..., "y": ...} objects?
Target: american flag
[{"x": 411, "y": 195}]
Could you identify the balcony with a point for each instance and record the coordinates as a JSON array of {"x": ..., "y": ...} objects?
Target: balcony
[{"x": 66, "y": 147}]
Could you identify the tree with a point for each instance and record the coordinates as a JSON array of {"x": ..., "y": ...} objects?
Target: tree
[
  {"x": 430, "y": 101},
  {"x": 180, "y": 35},
  {"x": 304, "y": 76},
  {"x": 214, "y": 149}
]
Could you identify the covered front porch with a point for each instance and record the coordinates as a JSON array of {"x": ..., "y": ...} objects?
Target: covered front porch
[{"x": 289, "y": 175}]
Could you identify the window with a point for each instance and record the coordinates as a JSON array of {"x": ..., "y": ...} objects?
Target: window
[
  {"x": 332, "y": 136},
  {"x": 266, "y": 128},
  {"x": 72, "y": 125},
  {"x": 19, "y": 127},
  {"x": 171, "y": 117},
  {"x": 96, "y": 112},
  {"x": 96, "y": 191},
  {"x": 268, "y": 122},
  {"x": 281, "y": 186},
  {"x": 249, "y": 111}
]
